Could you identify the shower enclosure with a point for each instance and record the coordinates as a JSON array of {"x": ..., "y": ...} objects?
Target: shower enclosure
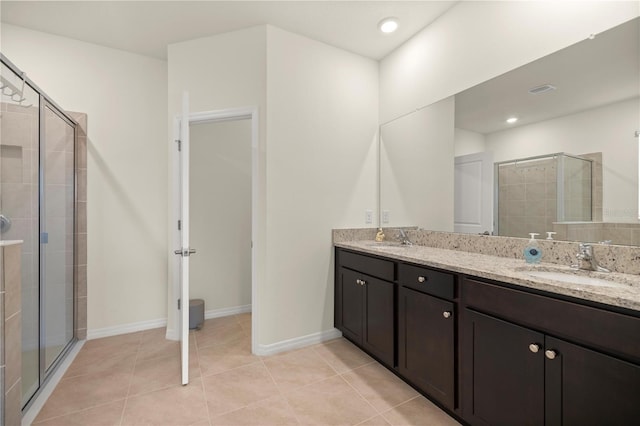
[
  {"x": 532, "y": 193},
  {"x": 37, "y": 205}
]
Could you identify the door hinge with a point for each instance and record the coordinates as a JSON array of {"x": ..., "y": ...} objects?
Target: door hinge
[
  {"x": 179, "y": 225},
  {"x": 179, "y": 142},
  {"x": 178, "y": 303}
]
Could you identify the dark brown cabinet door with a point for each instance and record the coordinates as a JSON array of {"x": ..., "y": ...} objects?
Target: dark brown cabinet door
[
  {"x": 426, "y": 344},
  {"x": 584, "y": 387},
  {"x": 379, "y": 336},
  {"x": 352, "y": 305},
  {"x": 504, "y": 377}
]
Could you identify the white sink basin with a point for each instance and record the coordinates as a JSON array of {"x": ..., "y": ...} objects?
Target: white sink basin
[{"x": 574, "y": 278}]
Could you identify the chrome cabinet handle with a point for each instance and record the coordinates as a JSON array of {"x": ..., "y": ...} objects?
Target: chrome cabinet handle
[
  {"x": 551, "y": 354},
  {"x": 534, "y": 347},
  {"x": 185, "y": 252},
  {"x": 421, "y": 279},
  {"x": 446, "y": 314},
  {"x": 360, "y": 282}
]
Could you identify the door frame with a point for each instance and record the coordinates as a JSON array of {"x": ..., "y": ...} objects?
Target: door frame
[
  {"x": 488, "y": 197},
  {"x": 241, "y": 113}
]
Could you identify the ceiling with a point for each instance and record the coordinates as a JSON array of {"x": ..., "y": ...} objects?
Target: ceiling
[
  {"x": 587, "y": 75},
  {"x": 147, "y": 27}
]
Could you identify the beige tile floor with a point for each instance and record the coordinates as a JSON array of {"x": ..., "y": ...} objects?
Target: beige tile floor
[{"x": 133, "y": 379}]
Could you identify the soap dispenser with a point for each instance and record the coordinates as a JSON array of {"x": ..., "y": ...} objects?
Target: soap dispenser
[{"x": 532, "y": 253}]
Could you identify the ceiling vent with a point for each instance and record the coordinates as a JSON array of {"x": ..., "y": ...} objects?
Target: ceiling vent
[{"x": 542, "y": 89}]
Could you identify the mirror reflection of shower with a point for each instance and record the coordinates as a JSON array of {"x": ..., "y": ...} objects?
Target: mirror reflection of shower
[{"x": 533, "y": 194}]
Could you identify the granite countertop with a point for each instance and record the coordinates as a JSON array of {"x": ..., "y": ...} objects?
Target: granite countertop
[{"x": 623, "y": 292}]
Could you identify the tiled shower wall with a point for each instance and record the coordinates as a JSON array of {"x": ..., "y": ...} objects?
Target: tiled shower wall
[
  {"x": 527, "y": 198},
  {"x": 80, "y": 262},
  {"x": 10, "y": 339},
  {"x": 19, "y": 188},
  {"x": 19, "y": 200}
]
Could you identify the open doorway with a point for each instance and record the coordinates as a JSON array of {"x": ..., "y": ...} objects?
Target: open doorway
[
  {"x": 220, "y": 215},
  {"x": 215, "y": 193}
]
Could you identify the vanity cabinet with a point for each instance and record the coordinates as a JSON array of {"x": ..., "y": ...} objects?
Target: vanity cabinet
[
  {"x": 526, "y": 361},
  {"x": 365, "y": 304},
  {"x": 427, "y": 332},
  {"x": 490, "y": 352}
]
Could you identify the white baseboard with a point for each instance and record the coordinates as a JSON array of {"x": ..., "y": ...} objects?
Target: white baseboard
[
  {"x": 125, "y": 328},
  {"x": 223, "y": 312},
  {"x": 298, "y": 342},
  {"x": 172, "y": 334}
]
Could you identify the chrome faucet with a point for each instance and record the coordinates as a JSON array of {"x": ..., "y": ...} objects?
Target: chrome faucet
[
  {"x": 402, "y": 236},
  {"x": 585, "y": 256}
]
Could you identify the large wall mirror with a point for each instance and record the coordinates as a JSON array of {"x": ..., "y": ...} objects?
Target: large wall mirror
[{"x": 551, "y": 146}]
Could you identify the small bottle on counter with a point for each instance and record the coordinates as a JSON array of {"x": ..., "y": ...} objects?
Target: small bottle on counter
[
  {"x": 532, "y": 253},
  {"x": 380, "y": 235}
]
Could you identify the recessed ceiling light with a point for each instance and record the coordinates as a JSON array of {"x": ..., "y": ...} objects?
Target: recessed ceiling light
[
  {"x": 512, "y": 120},
  {"x": 388, "y": 25}
]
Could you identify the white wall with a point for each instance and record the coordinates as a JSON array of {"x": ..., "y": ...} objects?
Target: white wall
[
  {"x": 219, "y": 72},
  {"x": 318, "y": 113},
  {"x": 609, "y": 129},
  {"x": 467, "y": 142},
  {"x": 124, "y": 96},
  {"x": 220, "y": 212},
  {"x": 476, "y": 41},
  {"x": 321, "y": 174},
  {"x": 417, "y": 170}
]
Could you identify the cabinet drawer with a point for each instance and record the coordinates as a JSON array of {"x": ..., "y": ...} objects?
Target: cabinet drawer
[
  {"x": 426, "y": 280},
  {"x": 369, "y": 265},
  {"x": 608, "y": 331}
]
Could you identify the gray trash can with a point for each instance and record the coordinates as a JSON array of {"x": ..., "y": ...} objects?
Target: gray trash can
[{"x": 196, "y": 313}]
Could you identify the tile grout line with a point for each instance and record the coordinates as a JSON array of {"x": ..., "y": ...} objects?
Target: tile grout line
[
  {"x": 281, "y": 393},
  {"x": 361, "y": 396},
  {"x": 204, "y": 391},
  {"x": 380, "y": 413},
  {"x": 340, "y": 374},
  {"x": 48, "y": 419},
  {"x": 396, "y": 406},
  {"x": 133, "y": 371}
]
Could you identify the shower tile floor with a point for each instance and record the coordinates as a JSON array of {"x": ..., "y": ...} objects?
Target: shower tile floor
[{"x": 134, "y": 379}]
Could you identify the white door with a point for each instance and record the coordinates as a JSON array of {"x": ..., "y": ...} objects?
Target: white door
[
  {"x": 184, "y": 251},
  {"x": 473, "y": 201}
]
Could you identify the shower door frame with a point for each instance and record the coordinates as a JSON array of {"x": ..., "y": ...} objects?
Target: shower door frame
[
  {"x": 44, "y": 374},
  {"x": 45, "y": 371}
]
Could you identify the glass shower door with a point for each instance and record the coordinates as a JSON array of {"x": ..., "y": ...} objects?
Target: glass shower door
[
  {"x": 19, "y": 212},
  {"x": 56, "y": 233}
]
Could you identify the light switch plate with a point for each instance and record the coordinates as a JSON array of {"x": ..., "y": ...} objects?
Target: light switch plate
[
  {"x": 385, "y": 216},
  {"x": 368, "y": 216}
]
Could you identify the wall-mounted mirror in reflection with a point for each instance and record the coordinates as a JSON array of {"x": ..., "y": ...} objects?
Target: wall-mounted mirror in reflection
[{"x": 547, "y": 147}]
